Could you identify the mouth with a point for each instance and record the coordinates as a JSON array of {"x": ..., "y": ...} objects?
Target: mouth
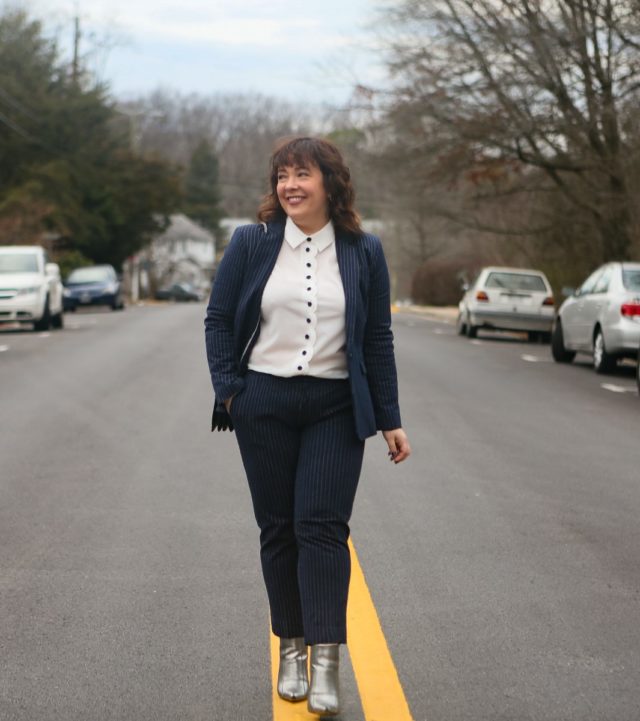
[{"x": 295, "y": 199}]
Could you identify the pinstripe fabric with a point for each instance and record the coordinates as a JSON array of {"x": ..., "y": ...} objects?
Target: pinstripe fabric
[
  {"x": 232, "y": 324},
  {"x": 302, "y": 458}
]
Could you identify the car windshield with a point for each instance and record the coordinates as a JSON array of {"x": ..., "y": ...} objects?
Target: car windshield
[
  {"x": 631, "y": 279},
  {"x": 515, "y": 281},
  {"x": 18, "y": 263},
  {"x": 89, "y": 275}
]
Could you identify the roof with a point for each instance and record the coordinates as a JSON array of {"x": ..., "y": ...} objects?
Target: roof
[
  {"x": 22, "y": 248},
  {"x": 505, "y": 269},
  {"x": 181, "y": 228}
]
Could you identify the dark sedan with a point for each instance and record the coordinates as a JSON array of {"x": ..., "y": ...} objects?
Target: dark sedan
[
  {"x": 94, "y": 285},
  {"x": 179, "y": 292}
]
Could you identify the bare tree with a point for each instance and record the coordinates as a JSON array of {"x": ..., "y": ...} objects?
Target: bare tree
[
  {"x": 240, "y": 128},
  {"x": 525, "y": 97}
]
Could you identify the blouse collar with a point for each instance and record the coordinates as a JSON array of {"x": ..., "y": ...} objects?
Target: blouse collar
[{"x": 321, "y": 239}]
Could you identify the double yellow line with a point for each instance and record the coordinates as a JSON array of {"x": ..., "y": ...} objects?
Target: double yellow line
[{"x": 379, "y": 687}]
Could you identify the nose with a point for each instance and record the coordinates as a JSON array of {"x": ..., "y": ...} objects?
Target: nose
[{"x": 291, "y": 182}]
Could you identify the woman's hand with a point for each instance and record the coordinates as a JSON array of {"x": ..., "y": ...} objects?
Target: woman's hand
[
  {"x": 399, "y": 448},
  {"x": 227, "y": 403}
]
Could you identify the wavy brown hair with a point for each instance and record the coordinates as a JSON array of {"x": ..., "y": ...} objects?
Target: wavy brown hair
[{"x": 302, "y": 152}]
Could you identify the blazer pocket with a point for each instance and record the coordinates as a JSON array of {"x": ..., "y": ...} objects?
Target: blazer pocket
[{"x": 234, "y": 401}]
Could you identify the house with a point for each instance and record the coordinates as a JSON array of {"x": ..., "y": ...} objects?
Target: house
[
  {"x": 227, "y": 228},
  {"x": 184, "y": 253}
]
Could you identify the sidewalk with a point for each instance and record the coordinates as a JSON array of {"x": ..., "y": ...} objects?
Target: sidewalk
[{"x": 448, "y": 313}]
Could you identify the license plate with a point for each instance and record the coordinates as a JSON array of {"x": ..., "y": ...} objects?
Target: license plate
[
  {"x": 85, "y": 298},
  {"x": 516, "y": 301}
]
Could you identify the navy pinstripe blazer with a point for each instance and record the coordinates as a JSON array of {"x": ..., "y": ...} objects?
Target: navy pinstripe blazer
[{"x": 232, "y": 324}]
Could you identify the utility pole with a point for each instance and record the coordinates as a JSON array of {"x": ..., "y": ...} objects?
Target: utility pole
[{"x": 75, "y": 67}]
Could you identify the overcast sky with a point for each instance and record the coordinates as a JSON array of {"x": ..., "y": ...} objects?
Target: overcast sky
[{"x": 310, "y": 50}]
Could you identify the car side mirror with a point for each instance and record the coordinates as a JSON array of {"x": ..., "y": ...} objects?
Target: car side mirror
[{"x": 52, "y": 269}]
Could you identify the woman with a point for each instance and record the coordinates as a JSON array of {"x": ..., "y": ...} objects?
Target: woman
[{"x": 300, "y": 349}]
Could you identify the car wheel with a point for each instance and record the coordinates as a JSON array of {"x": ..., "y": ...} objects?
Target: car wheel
[
  {"x": 472, "y": 330},
  {"x": 558, "y": 351},
  {"x": 45, "y": 322},
  {"x": 57, "y": 320},
  {"x": 638, "y": 372},
  {"x": 603, "y": 362},
  {"x": 461, "y": 326}
]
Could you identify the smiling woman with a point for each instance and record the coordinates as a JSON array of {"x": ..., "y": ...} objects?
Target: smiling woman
[
  {"x": 300, "y": 350},
  {"x": 309, "y": 179},
  {"x": 302, "y": 196}
]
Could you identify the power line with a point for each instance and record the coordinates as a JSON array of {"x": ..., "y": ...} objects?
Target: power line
[
  {"x": 17, "y": 105},
  {"x": 13, "y": 125},
  {"x": 16, "y": 128}
]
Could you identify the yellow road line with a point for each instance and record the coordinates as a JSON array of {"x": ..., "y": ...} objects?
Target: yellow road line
[{"x": 380, "y": 691}]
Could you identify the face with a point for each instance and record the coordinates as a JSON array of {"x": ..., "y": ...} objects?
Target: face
[{"x": 302, "y": 196}]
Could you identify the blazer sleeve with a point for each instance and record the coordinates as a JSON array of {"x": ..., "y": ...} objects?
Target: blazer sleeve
[
  {"x": 220, "y": 319},
  {"x": 378, "y": 344}
]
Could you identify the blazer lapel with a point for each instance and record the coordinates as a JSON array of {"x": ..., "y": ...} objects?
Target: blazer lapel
[{"x": 347, "y": 253}]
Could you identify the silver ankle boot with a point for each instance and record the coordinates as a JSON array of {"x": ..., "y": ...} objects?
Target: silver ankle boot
[
  {"x": 293, "y": 681},
  {"x": 323, "y": 693}
]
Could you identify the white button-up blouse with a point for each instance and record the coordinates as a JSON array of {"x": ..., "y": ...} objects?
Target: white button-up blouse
[{"x": 302, "y": 328}]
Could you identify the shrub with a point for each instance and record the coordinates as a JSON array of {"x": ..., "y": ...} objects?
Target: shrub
[
  {"x": 439, "y": 281},
  {"x": 68, "y": 260}
]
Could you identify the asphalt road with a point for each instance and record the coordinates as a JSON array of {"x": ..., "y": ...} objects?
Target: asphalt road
[{"x": 503, "y": 557}]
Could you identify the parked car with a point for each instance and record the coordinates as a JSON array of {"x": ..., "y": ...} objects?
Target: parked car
[
  {"x": 179, "y": 292},
  {"x": 93, "y": 285},
  {"x": 518, "y": 299},
  {"x": 601, "y": 318},
  {"x": 30, "y": 287}
]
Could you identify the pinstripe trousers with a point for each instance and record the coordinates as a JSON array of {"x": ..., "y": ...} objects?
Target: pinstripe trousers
[{"x": 303, "y": 459}]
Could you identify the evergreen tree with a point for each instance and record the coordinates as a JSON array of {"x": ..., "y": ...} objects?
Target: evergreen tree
[
  {"x": 65, "y": 166},
  {"x": 201, "y": 190}
]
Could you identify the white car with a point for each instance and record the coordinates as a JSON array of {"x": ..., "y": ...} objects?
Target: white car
[
  {"x": 601, "y": 318},
  {"x": 518, "y": 299},
  {"x": 30, "y": 287}
]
